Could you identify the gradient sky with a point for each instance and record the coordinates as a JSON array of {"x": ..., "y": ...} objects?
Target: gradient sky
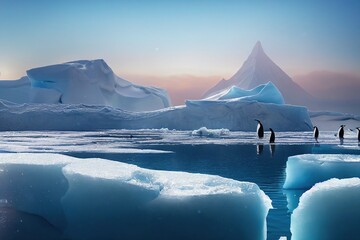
[{"x": 153, "y": 41}]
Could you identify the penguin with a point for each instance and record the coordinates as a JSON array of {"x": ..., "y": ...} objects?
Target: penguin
[
  {"x": 358, "y": 134},
  {"x": 260, "y": 129},
  {"x": 341, "y": 132},
  {"x": 316, "y": 133},
  {"x": 272, "y": 136}
]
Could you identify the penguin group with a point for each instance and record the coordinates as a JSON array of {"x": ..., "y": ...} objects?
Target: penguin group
[
  {"x": 340, "y": 133},
  {"x": 260, "y": 132}
]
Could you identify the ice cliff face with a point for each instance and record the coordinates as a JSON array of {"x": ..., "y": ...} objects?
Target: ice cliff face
[
  {"x": 260, "y": 69},
  {"x": 83, "y": 82}
]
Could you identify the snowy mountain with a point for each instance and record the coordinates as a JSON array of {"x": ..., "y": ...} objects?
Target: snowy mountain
[
  {"x": 82, "y": 82},
  {"x": 260, "y": 69}
]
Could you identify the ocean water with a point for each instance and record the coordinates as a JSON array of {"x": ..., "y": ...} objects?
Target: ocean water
[{"x": 236, "y": 155}]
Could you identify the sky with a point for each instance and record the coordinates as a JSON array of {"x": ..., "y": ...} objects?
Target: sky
[{"x": 185, "y": 46}]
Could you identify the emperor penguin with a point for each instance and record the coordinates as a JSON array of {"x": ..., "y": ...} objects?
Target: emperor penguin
[
  {"x": 260, "y": 129},
  {"x": 316, "y": 133},
  {"x": 358, "y": 134},
  {"x": 272, "y": 136},
  {"x": 341, "y": 132}
]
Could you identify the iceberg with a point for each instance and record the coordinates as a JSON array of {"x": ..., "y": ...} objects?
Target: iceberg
[
  {"x": 329, "y": 210},
  {"x": 16, "y": 91},
  {"x": 89, "y": 82},
  {"x": 303, "y": 171},
  {"x": 76, "y": 194},
  {"x": 265, "y": 93}
]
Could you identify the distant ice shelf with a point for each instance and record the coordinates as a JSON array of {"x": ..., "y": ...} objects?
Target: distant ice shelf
[
  {"x": 114, "y": 200},
  {"x": 232, "y": 115}
]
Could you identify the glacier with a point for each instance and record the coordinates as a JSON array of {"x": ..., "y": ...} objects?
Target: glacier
[
  {"x": 303, "y": 171},
  {"x": 76, "y": 194},
  {"x": 89, "y": 82},
  {"x": 329, "y": 210}
]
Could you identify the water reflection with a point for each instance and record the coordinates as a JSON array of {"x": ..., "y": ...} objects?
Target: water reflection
[
  {"x": 316, "y": 145},
  {"x": 259, "y": 148},
  {"x": 272, "y": 149}
]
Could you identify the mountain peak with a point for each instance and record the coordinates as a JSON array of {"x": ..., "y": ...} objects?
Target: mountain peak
[
  {"x": 259, "y": 69},
  {"x": 257, "y": 49}
]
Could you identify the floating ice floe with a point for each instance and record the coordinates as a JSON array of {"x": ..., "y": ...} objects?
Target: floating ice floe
[
  {"x": 303, "y": 171},
  {"x": 113, "y": 200},
  {"x": 329, "y": 210}
]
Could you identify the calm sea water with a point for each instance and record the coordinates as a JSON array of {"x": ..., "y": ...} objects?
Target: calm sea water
[{"x": 236, "y": 155}]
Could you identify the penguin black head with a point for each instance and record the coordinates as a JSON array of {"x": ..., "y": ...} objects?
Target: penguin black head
[
  {"x": 257, "y": 120},
  {"x": 342, "y": 126},
  {"x": 314, "y": 127}
]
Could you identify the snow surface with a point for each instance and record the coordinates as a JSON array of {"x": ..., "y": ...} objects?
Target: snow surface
[
  {"x": 82, "y": 82},
  {"x": 260, "y": 69},
  {"x": 76, "y": 194},
  {"x": 265, "y": 93},
  {"x": 303, "y": 171},
  {"x": 232, "y": 115},
  {"x": 329, "y": 210}
]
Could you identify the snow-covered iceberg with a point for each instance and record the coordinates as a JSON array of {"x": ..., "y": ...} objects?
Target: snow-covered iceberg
[
  {"x": 232, "y": 115},
  {"x": 114, "y": 200},
  {"x": 303, "y": 171},
  {"x": 329, "y": 210},
  {"x": 265, "y": 93},
  {"x": 82, "y": 82}
]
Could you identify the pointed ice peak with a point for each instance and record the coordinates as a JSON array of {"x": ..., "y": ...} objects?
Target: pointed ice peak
[{"x": 258, "y": 49}]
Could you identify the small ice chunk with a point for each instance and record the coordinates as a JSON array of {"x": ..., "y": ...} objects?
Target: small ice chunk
[{"x": 203, "y": 131}]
